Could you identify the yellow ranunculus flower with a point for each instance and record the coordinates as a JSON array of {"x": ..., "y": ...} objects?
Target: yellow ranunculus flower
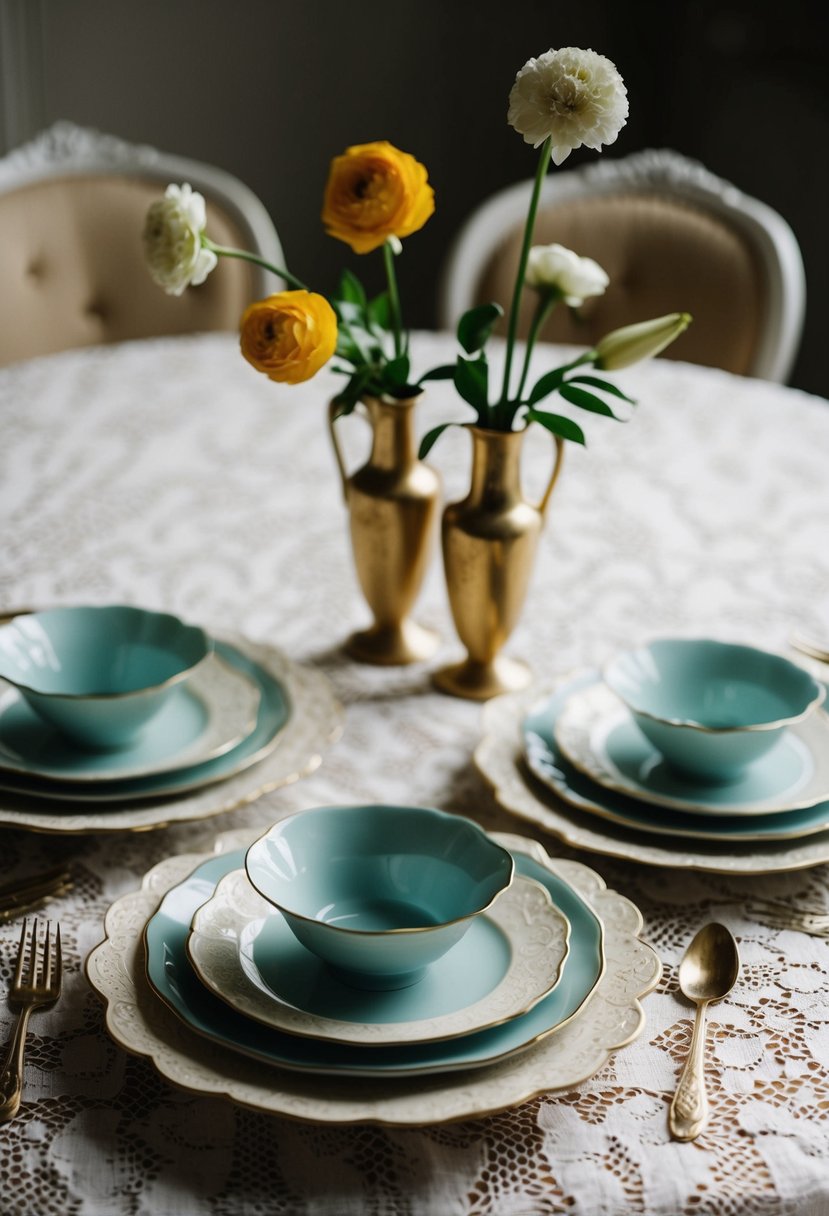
[
  {"x": 375, "y": 191},
  {"x": 289, "y": 336}
]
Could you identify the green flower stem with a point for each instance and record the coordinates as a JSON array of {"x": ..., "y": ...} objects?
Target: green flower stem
[
  {"x": 543, "y": 163},
  {"x": 223, "y": 251},
  {"x": 545, "y": 306},
  {"x": 394, "y": 300}
]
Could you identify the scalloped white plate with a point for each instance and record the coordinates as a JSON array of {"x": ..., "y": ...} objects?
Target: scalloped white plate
[
  {"x": 599, "y": 737},
  {"x": 206, "y": 717},
  {"x": 509, "y": 959},
  {"x": 142, "y": 1024},
  {"x": 171, "y": 975},
  {"x": 299, "y": 717},
  {"x": 573, "y": 807}
]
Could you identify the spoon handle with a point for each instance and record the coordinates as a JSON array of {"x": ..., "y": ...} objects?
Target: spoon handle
[
  {"x": 689, "y": 1109},
  {"x": 814, "y": 649}
]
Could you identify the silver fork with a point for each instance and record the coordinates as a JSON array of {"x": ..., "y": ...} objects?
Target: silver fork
[
  {"x": 780, "y": 916},
  {"x": 36, "y": 983},
  {"x": 23, "y": 896}
]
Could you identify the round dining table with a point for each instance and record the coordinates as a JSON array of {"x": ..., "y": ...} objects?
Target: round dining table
[{"x": 167, "y": 473}]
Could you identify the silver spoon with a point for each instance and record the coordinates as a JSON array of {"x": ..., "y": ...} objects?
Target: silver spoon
[{"x": 707, "y": 973}]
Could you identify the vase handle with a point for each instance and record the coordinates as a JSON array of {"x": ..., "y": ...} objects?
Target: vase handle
[
  {"x": 559, "y": 442},
  {"x": 333, "y": 415}
]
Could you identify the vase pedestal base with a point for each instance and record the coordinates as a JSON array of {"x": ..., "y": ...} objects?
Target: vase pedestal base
[
  {"x": 481, "y": 681},
  {"x": 393, "y": 645}
]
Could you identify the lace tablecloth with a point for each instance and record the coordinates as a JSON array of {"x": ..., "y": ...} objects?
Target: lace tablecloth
[{"x": 169, "y": 474}]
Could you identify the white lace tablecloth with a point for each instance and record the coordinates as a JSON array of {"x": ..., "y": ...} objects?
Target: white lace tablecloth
[{"x": 169, "y": 474}]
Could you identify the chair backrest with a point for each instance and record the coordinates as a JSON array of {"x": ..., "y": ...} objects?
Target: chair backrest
[
  {"x": 72, "y": 271},
  {"x": 672, "y": 236}
]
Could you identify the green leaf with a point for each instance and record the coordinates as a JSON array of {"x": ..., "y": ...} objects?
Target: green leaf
[
  {"x": 586, "y": 401},
  {"x": 355, "y": 388},
  {"x": 402, "y": 392},
  {"x": 351, "y": 290},
  {"x": 605, "y": 385},
  {"x": 354, "y": 341},
  {"x": 346, "y": 349},
  {"x": 447, "y": 372},
  {"x": 397, "y": 370},
  {"x": 428, "y": 440},
  {"x": 471, "y": 381},
  {"x": 346, "y": 401},
  {"x": 558, "y": 424},
  {"x": 379, "y": 311},
  {"x": 348, "y": 311},
  {"x": 346, "y": 405},
  {"x": 476, "y": 325},
  {"x": 546, "y": 385},
  {"x": 359, "y": 342}
]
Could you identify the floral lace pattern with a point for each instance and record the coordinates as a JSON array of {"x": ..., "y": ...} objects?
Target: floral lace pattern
[{"x": 166, "y": 474}]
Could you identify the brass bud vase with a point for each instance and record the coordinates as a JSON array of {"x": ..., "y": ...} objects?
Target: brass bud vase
[
  {"x": 489, "y": 546},
  {"x": 392, "y": 505}
]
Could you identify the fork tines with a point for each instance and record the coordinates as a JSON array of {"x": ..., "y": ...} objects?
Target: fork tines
[{"x": 39, "y": 957}]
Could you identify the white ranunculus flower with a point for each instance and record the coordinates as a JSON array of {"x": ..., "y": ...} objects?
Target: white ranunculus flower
[
  {"x": 576, "y": 97},
  {"x": 172, "y": 240},
  {"x": 553, "y": 266}
]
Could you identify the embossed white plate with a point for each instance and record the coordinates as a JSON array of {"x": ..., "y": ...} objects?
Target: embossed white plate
[
  {"x": 509, "y": 959},
  {"x": 171, "y": 975},
  {"x": 599, "y": 737},
  {"x": 214, "y": 711},
  {"x": 144, "y": 1025},
  {"x": 299, "y": 716},
  {"x": 273, "y": 712},
  {"x": 573, "y": 808}
]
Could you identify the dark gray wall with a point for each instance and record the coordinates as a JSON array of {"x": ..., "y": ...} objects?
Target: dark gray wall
[{"x": 271, "y": 90}]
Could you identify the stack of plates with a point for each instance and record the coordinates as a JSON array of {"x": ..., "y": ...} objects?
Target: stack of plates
[
  {"x": 573, "y": 762},
  {"x": 248, "y": 720},
  {"x": 214, "y": 988}
]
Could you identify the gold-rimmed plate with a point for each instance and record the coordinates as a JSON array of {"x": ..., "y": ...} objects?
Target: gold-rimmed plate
[
  {"x": 511, "y": 957},
  {"x": 304, "y": 717},
  {"x": 571, "y": 807},
  {"x": 171, "y": 975},
  {"x": 598, "y": 736},
  {"x": 146, "y": 1026},
  {"x": 210, "y": 715}
]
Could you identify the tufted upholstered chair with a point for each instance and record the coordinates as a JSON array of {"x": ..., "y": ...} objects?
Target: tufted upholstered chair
[
  {"x": 671, "y": 236},
  {"x": 72, "y": 272}
]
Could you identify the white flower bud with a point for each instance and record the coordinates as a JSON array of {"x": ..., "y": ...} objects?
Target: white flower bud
[
  {"x": 552, "y": 267},
  {"x": 632, "y": 343}
]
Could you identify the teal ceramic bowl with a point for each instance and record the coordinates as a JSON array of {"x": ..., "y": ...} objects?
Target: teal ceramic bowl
[
  {"x": 711, "y": 708},
  {"x": 99, "y": 674},
  {"x": 378, "y": 892}
]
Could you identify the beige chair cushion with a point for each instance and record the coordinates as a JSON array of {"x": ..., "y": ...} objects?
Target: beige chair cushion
[
  {"x": 662, "y": 256},
  {"x": 72, "y": 269}
]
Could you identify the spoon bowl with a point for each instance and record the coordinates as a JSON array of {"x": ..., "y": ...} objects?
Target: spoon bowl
[
  {"x": 707, "y": 973},
  {"x": 711, "y": 965}
]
